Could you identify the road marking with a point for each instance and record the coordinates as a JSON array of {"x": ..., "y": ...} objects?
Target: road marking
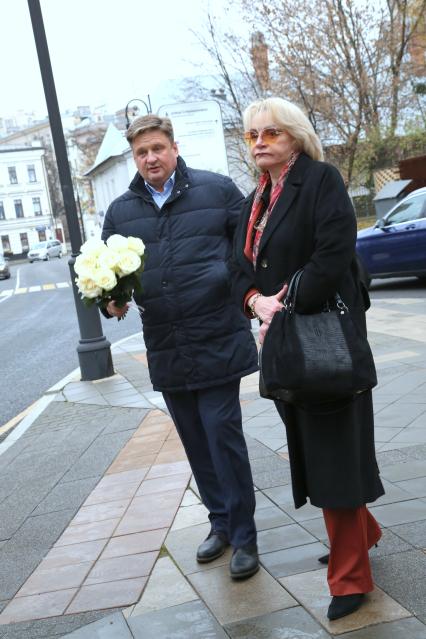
[
  {"x": 4, "y": 295},
  {"x": 18, "y": 279},
  {"x": 19, "y": 291},
  {"x": 8, "y": 291},
  {"x": 62, "y": 285},
  {"x": 33, "y": 289},
  {"x": 48, "y": 287}
]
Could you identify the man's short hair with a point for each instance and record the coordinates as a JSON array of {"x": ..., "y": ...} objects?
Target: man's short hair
[{"x": 150, "y": 123}]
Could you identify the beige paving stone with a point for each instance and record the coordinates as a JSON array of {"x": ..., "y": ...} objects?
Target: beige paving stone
[
  {"x": 124, "y": 477},
  {"x": 107, "y": 595},
  {"x": 99, "y": 512},
  {"x": 129, "y": 462},
  {"x": 164, "y": 470},
  {"x": 48, "y": 579},
  {"x": 135, "y": 543},
  {"x": 311, "y": 590},
  {"x": 74, "y": 554},
  {"x": 232, "y": 601},
  {"x": 126, "y": 567},
  {"x": 49, "y": 604},
  {"x": 163, "y": 484},
  {"x": 182, "y": 545},
  {"x": 166, "y": 587},
  {"x": 190, "y": 516},
  {"x": 87, "y": 532},
  {"x": 112, "y": 493}
]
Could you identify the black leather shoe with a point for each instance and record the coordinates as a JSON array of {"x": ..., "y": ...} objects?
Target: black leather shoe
[
  {"x": 212, "y": 547},
  {"x": 342, "y": 605},
  {"x": 244, "y": 562}
]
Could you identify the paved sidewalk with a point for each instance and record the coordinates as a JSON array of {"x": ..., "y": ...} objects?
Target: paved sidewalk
[{"x": 100, "y": 519}]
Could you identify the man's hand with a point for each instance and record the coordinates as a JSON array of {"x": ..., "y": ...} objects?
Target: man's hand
[
  {"x": 265, "y": 307},
  {"x": 117, "y": 311}
]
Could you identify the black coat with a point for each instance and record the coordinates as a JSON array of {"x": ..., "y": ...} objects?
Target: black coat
[
  {"x": 313, "y": 226},
  {"x": 195, "y": 334}
]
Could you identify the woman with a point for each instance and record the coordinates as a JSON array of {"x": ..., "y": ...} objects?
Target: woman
[{"x": 300, "y": 216}]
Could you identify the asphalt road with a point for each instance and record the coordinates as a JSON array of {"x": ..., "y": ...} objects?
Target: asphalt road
[{"x": 39, "y": 331}]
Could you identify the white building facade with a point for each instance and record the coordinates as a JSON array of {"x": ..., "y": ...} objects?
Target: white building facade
[{"x": 25, "y": 211}]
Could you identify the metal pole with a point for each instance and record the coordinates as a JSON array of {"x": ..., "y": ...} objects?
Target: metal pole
[{"x": 94, "y": 351}]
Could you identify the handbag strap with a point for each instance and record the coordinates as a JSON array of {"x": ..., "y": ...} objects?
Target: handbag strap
[{"x": 289, "y": 302}]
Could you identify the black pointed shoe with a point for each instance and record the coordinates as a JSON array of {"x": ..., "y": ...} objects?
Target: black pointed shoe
[
  {"x": 212, "y": 548},
  {"x": 244, "y": 562},
  {"x": 324, "y": 559},
  {"x": 342, "y": 605}
]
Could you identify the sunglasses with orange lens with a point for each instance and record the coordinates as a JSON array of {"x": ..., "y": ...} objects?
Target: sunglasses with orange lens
[{"x": 269, "y": 135}]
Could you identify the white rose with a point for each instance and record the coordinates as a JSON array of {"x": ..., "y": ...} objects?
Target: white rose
[
  {"x": 117, "y": 242},
  {"x": 85, "y": 263},
  {"x": 105, "y": 278},
  {"x": 135, "y": 244},
  {"x": 109, "y": 259},
  {"x": 88, "y": 288},
  {"x": 93, "y": 247},
  {"x": 128, "y": 263}
]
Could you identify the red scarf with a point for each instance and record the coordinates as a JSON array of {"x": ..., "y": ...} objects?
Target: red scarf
[{"x": 254, "y": 235}]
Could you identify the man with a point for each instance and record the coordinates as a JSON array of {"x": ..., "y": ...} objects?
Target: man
[{"x": 198, "y": 342}]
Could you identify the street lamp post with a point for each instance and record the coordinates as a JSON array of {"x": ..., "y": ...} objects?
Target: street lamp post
[
  {"x": 94, "y": 352},
  {"x": 148, "y": 108}
]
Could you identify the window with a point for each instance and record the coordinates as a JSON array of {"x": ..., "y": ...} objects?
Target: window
[
  {"x": 42, "y": 236},
  {"x": 2, "y": 215},
  {"x": 31, "y": 173},
  {"x": 18, "y": 208},
  {"x": 409, "y": 211},
  {"x": 5, "y": 244},
  {"x": 37, "y": 206},
  {"x": 13, "y": 178},
  {"x": 24, "y": 242}
]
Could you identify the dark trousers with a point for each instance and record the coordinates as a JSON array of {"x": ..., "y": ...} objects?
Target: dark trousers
[{"x": 209, "y": 424}]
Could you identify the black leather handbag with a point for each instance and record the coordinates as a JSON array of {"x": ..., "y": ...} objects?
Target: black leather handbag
[{"x": 314, "y": 359}]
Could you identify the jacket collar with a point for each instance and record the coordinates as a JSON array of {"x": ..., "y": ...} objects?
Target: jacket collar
[{"x": 137, "y": 185}]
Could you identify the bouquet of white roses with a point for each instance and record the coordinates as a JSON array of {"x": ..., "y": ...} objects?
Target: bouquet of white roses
[{"x": 110, "y": 271}]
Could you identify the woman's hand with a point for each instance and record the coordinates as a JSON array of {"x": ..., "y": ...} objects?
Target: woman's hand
[
  {"x": 268, "y": 306},
  {"x": 265, "y": 307},
  {"x": 117, "y": 311}
]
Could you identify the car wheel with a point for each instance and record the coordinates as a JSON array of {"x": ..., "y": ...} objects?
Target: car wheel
[
  {"x": 59, "y": 255},
  {"x": 364, "y": 274},
  {"x": 47, "y": 258}
]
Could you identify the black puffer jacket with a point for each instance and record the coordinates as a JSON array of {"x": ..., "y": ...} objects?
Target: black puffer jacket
[{"x": 195, "y": 334}]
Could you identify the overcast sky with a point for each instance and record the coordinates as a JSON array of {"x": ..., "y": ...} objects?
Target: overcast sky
[{"x": 102, "y": 51}]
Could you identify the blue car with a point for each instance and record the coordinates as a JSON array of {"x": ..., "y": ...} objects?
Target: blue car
[{"x": 396, "y": 245}]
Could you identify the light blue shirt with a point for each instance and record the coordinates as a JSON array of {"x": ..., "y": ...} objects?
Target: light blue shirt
[{"x": 160, "y": 197}]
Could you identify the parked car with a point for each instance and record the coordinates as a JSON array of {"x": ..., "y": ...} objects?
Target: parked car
[
  {"x": 4, "y": 269},
  {"x": 45, "y": 250},
  {"x": 396, "y": 245}
]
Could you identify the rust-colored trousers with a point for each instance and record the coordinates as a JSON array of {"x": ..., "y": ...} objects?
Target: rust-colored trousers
[{"x": 351, "y": 531}]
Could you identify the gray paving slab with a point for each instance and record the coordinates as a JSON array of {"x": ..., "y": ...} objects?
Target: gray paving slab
[
  {"x": 69, "y": 494},
  {"x": 129, "y": 420},
  {"x": 407, "y": 470},
  {"x": 403, "y": 577},
  {"x": 271, "y": 517},
  {"x": 410, "y": 628},
  {"x": 257, "y": 450},
  {"x": 187, "y": 621},
  {"x": 283, "y": 537},
  {"x": 293, "y": 623},
  {"x": 270, "y": 471},
  {"x": 413, "y": 533},
  {"x": 110, "y": 627},
  {"x": 51, "y": 628},
  {"x": 400, "y": 513},
  {"x": 99, "y": 456},
  {"x": 296, "y": 559},
  {"x": 389, "y": 544},
  {"x": 415, "y": 487}
]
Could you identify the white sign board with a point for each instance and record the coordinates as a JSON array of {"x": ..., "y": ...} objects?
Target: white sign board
[{"x": 199, "y": 134}]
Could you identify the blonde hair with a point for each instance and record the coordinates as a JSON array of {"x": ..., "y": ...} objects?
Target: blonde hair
[{"x": 289, "y": 117}]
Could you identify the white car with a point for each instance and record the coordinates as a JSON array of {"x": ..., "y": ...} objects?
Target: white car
[{"x": 45, "y": 250}]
